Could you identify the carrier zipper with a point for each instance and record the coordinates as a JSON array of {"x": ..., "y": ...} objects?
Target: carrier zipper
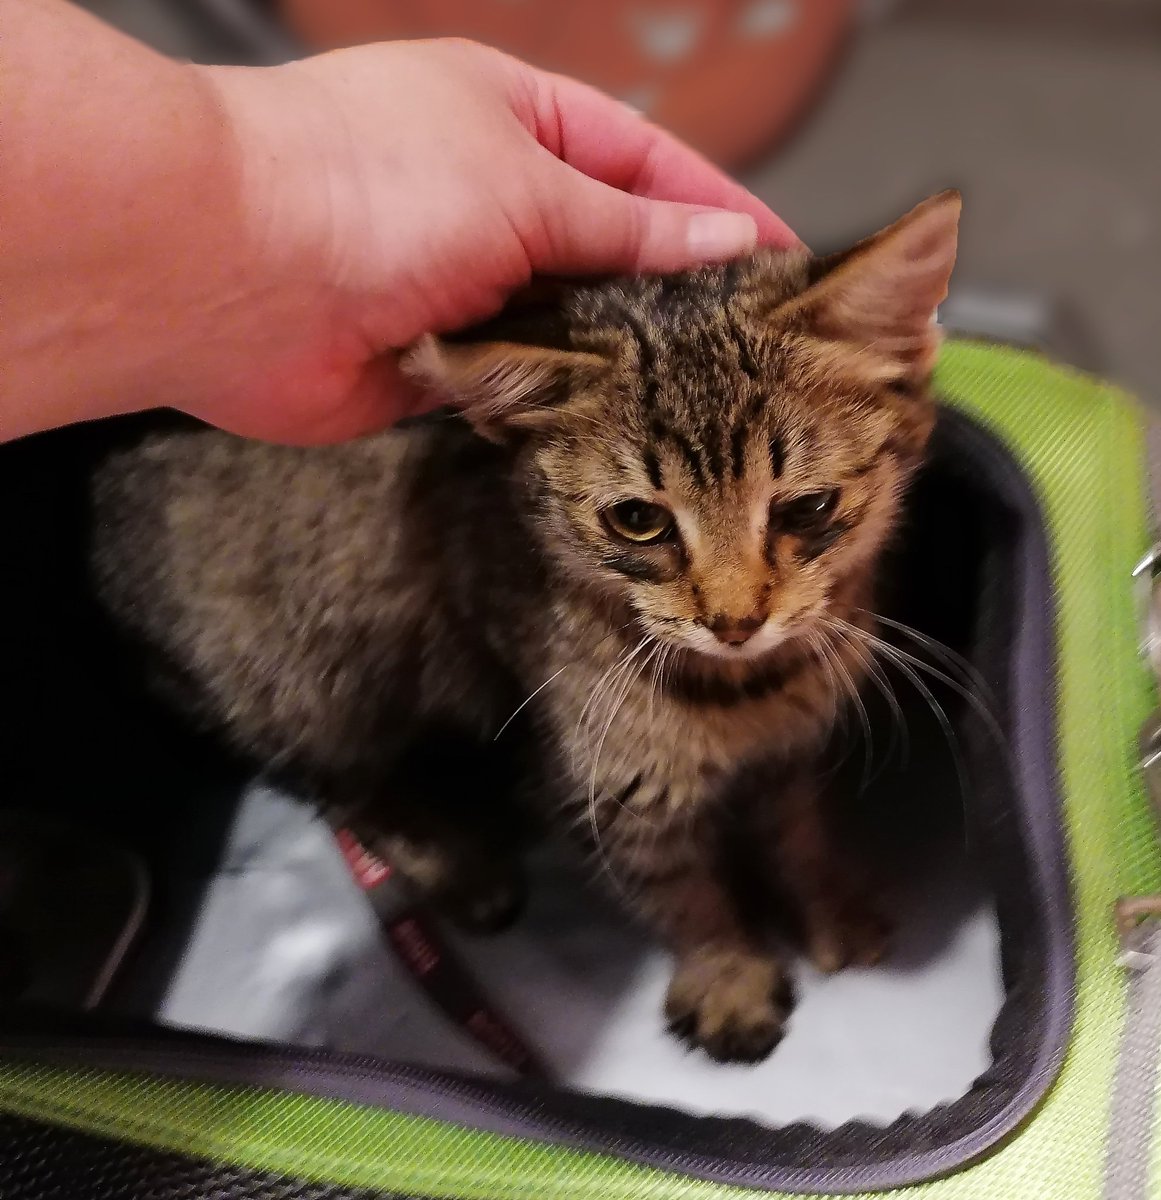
[{"x": 364, "y": 1079}]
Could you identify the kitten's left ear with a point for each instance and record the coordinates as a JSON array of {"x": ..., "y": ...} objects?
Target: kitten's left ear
[
  {"x": 880, "y": 297},
  {"x": 502, "y": 386}
]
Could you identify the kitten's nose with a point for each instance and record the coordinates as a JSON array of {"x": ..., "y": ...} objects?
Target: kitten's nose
[{"x": 734, "y": 630}]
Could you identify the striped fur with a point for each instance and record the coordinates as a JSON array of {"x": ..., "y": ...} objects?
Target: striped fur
[{"x": 371, "y": 616}]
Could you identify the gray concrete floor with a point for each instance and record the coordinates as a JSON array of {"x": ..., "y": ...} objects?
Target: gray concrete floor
[{"x": 1044, "y": 112}]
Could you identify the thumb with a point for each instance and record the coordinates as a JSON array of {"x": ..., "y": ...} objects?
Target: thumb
[{"x": 589, "y": 227}]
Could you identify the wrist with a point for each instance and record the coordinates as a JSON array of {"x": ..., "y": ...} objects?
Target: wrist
[{"x": 128, "y": 234}]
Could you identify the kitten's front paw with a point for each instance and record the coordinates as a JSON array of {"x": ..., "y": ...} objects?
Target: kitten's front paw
[
  {"x": 732, "y": 1003},
  {"x": 846, "y": 932}
]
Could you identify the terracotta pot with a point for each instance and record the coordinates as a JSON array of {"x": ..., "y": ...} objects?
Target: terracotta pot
[{"x": 729, "y": 76}]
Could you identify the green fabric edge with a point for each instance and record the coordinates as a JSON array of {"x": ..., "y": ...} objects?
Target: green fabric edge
[{"x": 1082, "y": 443}]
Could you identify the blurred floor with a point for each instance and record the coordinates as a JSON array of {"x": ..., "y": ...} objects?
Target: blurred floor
[
  {"x": 1049, "y": 128},
  {"x": 1044, "y": 113}
]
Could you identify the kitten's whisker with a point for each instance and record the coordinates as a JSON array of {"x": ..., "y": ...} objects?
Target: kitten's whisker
[
  {"x": 571, "y": 663},
  {"x": 842, "y": 691},
  {"x": 607, "y": 697},
  {"x": 661, "y": 658},
  {"x": 595, "y": 694},
  {"x": 594, "y": 822},
  {"x": 656, "y": 659},
  {"x": 672, "y": 653},
  {"x": 900, "y": 660},
  {"x": 864, "y": 719},
  {"x": 630, "y": 675},
  {"x": 529, "y": 698},
  {"x": 949, "y": 657},
  {"x": 655, "y": 677},
  {"x": 948, "y": 733},
  {"x": 818, "y": 645},
  {"x": 978, "y": 706},
  {"x": 838, "y": 717},
  {"x": 620, "y": 691},
  {"x": 878, "y": 678}
]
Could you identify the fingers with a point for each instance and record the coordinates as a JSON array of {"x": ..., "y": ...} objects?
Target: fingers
[
  {"x": 587, "y": 227},
  {"x": 606, "y": 141}
]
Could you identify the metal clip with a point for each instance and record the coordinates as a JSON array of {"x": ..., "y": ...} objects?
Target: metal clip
[
  {"x": 1146, "y": 574},
  {"x": 1149, "y": 748},
  {"x": 1135, "y": 914}
]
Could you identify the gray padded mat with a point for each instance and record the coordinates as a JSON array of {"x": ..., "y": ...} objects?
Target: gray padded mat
[{"x": 284, "y": 947}]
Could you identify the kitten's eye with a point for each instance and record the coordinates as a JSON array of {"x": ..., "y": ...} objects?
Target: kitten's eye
[
  {"x": 639, "y": 521},
  {"x": 807, "y": 512}
]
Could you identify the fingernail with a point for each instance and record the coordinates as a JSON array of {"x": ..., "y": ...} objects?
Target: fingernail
[{"x": 716, "y": 235}]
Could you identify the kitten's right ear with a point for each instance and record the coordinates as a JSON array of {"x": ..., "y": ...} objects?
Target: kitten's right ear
[{"x": 502, "y": 386}]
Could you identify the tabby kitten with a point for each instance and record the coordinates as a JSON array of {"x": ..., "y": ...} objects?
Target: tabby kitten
[{"x": 654, "y": 537}]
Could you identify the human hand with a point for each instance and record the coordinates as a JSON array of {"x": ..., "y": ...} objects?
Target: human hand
[
  {"x": 255, "y": 245},
  {"x": 406, "y": 188}
]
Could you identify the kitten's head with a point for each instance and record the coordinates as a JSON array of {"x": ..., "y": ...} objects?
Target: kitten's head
[{"x": 723, "y": 450}]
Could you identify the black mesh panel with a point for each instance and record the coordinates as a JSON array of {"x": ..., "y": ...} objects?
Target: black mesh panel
[{"x": 46, "y": 1162}]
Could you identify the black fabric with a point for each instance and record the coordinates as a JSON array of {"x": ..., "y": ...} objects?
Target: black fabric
[
  {"x": 47, "y": 1162},
  {"x": 81, "y": 738}
]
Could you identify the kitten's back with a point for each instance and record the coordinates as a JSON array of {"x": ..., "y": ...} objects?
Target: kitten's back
[{"x": 288, "y": 584}]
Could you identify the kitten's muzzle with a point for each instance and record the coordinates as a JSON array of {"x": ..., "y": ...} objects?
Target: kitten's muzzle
[{"x": 734, "y": 631}]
